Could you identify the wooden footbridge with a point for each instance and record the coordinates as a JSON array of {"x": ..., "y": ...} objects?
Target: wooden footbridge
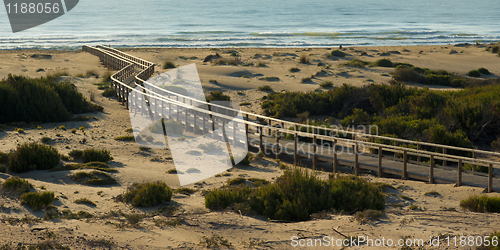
[{"x": 432, "y": 163}]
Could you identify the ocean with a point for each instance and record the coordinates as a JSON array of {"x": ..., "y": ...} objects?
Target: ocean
[{"x": 259, "y": 23}]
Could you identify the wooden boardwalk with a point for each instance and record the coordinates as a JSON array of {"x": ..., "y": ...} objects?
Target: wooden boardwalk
[{"x": 408, "y": 159}]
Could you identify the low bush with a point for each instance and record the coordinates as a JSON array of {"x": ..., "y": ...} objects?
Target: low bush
[
  {"x": 75, "y": 153},
  {"x": 94, "y": 178},
  {"x": 294, "y": 70},
  {"x": 474, "y": 73},
  {"x": 261, "y": 64},
  {"x": 125, "y": 138},
  {"x": 368, "y": 215},
  {"x": 226, "y": 196},
  {"x": 91, "y": 154},
  {"x": 217, "y": 96},
  {"x": 303, "y": 59},
  {"x": 247, "y": 159},
  {"x": 36, "y": 201},
  {"x": 62, "y": 127},
  {"x": 3, "y": 168},
  {"x": 265, "y": 88},
  {"x": 185, "y": 190},
  {"x": 108, "y": 92},
  {"x": 383, "y": 63},
  {"x": 236, "y": 181},
  {"x": 168, "y": 65},
  {"x": 4, "y": 157},
  {"x": 433, "y": 79},
  {"x": 357, "y": 63},
  {"x": 45, "y": 140},
  {"x": 297, "y": 194},
  {"x": 102, "y": 166},
  {"x": 481, "y": 204},
  {"x": 16, "y": 185},
  {"x": 33, "y": 156},
  {"x": 326, "y": 84},
  {"x": 210, "y": 147},
  {"x": 484, "y": 71},
  {"x": 338, "y": 53},
  {"x": 19, "y": 130},
  {"x": 147, "y": 194},
  {"x": 85, "y": 201},
  {"x": 495, "y": 49}
]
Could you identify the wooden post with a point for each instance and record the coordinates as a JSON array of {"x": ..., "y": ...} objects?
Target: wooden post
[
  {"x": 277, "y": 145},
  {"x": 170, "y": 111},
  {"x": 314, "y": 152},
  {"x": 418, "y": 153},
  {"x": 395, "y": 153},
  {"x": 177, "y": 109},
  {"x": 431, "y": 171},
  {"x": 444, "y": 161},
  {"x": 203, "y": 130},
  {"x": 260, "y": 140},
  {"x": 194, "y": 122},
  {"x": 405, "y": 164},
  {"x": 459, "y": 170},
  {"x": 474, "y": 156},
  {"x": 295, "y": 154},
  {"x": 246, "y": 129},
  {"x": 126, "y": 97},
  {"x": 356, "y": 160},
  {"x": 283, "y": 127},
  {"x": 490, "y": 178},
  {"x": 186, "y": 118},
  {"x": 379, "y": 172},
  {"x": 234, "y": 133},
  {"x": 270, "y": 125},
  {"x": 335, "y": 159}
]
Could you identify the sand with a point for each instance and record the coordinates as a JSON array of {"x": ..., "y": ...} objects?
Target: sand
[{"x": 431, "y": 218}]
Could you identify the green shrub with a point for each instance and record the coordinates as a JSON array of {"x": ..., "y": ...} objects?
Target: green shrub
[
  {"x": 357, "y": 63},
  {"x": 125, "y": 138},
  {"x": 303, "y": 59},
  {"x": 261, "y": 64},
  {"x": 495, "y": 145},
  {"x": 283, "y": 166},
  {"x": 62, "y": 127},
  {"x": 474, "y": 73},
  {"x": 108, "y": 92},
  {"x": 148, "y": 194},
  {"x": 209, "y": 147},
  {"x": 93, "y": 178},
  {"x": 326, "y": 84},
  {"x": 338, "y": 53},
  {"x": 168, "y": 65},
  {"x": 236, "y": 181},
  {"x": 3, "y": 168},
  {"x": 102, "y": 166},
  {"x": 75, "y": 153},
  {"x": 19, "y": 130},
  {"x": 484, "y": 71},
  {"x": 17, "y": 185},
  {"x": 407, "y": 74},
  {"x": 91, "y": 154},
  {"x": 247, "y": 159},
  {"x": 185, "y": 190},
  {"x": 226, "y": 196},
  {"x": 36, "y": 201},
  {"x": 265, "y": 88},
  {"x": 85, "y": 201},
  {"x": 73, "y": 130},
  {"x": 359, "y": 117},
  {"x": 495, "y": 49},
  {"x": 33, "y": 156},
  {"x": 40, "y": 100},
  {"x": 244, "y": 104},
  {"x": 433, "y": 79},
  {"x": 367, "y": 215},
  {"x": 4, "y": 157},
  {"x": 383, "y": 63},
  {"x": 294, "y": 70},
  {"x": 217, "y": 96},
  {"x": 45, "y": 139},
  {"x": 481, "y": 204},
  {"x": 297, "y": 194}
]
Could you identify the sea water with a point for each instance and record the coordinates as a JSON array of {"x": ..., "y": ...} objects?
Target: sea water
[{"x": 260, "y": 23}]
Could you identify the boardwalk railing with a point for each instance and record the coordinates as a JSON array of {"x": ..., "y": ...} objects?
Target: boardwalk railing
[{"x": 131, "y": 79}]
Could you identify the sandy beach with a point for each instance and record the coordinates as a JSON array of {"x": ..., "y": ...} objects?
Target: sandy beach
[{"x": 430, "y": 216}]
